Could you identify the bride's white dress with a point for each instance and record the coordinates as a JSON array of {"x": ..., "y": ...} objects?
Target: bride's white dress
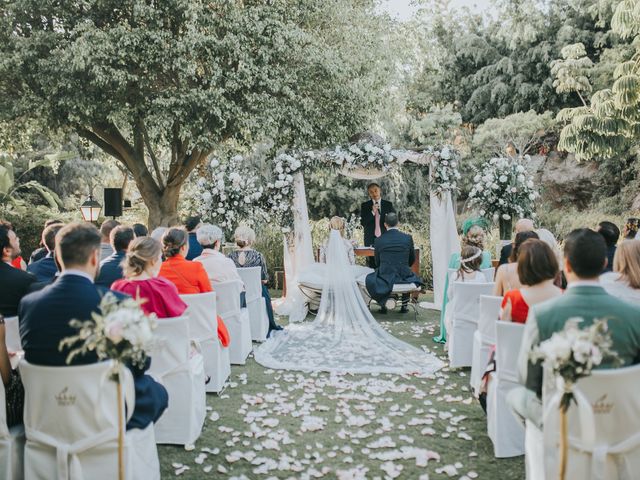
[{"x": 344, "y": 337}]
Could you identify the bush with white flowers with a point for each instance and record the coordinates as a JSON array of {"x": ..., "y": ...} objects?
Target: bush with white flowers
[
  {"x": 504, "y": 189},
  {"x": 444, "y": 170},
  {"x": 229, "y": 193}
]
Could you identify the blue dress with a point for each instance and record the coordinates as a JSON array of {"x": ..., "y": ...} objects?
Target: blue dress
[{"x": 454, "y": 263}]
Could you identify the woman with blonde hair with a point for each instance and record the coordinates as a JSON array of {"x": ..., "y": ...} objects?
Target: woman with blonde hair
[
  {"x": 246, "y": 256},
  {"x": 624, "y": 281},
  {"x": 338, "y": 223}
]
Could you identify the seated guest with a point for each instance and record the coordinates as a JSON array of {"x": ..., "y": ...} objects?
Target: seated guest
[
  {"x": 14, "y": 283},
  {"x": 624, "y": 281},
  {"x": 611, "y": 233},
  {"x": 468, "y": 272},
  {"x": 141, "y": 267},
  {"x": 219, "y": 267},
  {"x": 105, "y": 242},
  {"x": 188, "y": 277},
  {"x": 507, "y": 274},
  {"x": 13, "y": 390},
  {"x": 140, "y": 230},
  {"x": 339, "y": 224},
  {"x": 537, "y": 269},
  {"x": 246, "y": 257},
  {"x": 17, "y": 262},
  {"x": 631, "y": 228},
  {"x": 42, "y": 251},
  {"x": 46, "y": 269},
  {"x": 45, "y": 316},
  {"x": 394, "y": 255},
  {"x": 192, "y": 224},
  {"x": 473, "y": 235},
  {"x": 158, "y": 233},
  {"x": 111, "y": 267},
  {"x": 585, "y": 254},
  {"x": 522, "y": 225}
]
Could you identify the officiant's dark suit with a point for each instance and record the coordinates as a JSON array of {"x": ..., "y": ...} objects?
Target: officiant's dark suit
[
  {"x": 394, "y": 254},
  {"x": 368, "y": 217}
]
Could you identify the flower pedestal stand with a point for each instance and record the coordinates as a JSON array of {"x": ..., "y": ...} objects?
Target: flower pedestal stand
[{"x": 506, "y": 227}]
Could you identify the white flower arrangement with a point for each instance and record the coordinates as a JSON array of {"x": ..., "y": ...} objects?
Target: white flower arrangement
[
  {"x": 279, "y": 191},
  {"x": 229, "y": 193},
  {"x": 121, "y": 332},
  {"x": 362, "y": 155},
  {"x": 504, "y": 189},
  {"x": 572, "y": 353},
  {"x": 445, "y": 173}
]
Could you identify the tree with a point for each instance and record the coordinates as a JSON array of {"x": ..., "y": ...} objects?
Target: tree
[
  {"x": 610, "y": 124},
  {"x": 161, "y": 85}
]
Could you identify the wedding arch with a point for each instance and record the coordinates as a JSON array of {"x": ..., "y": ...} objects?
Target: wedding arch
[{"x": 237, "y": 191}]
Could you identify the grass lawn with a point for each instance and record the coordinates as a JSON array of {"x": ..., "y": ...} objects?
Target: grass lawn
[{"x": 276, "y": 424}]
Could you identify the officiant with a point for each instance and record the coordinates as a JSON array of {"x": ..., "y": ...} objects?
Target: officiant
[{"x": 372, "y": 214}]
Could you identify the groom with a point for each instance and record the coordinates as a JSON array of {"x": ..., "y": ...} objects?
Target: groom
[
  {"x": 372, "y": 214},
  {"x": 394, "y": 255}
]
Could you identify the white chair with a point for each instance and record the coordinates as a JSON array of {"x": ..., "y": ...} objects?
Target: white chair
[
  {"x": 203, "y": 327},
  {"x": 489, "y": 274},
  {"x": 236, "y": 320},
  {"x": 610, "y": 413},
  {"x": 12, "y": 334},
  {"x": 11, "y": 444},
  {"x": 484, "y": 337},
  {"x": 177, "y": 362},
  {"x": 503, "y": 428},
  {"x": 464, "y": 312},
  {"x": 256, "y": 305},
  {"x": 71, "y": 424}
]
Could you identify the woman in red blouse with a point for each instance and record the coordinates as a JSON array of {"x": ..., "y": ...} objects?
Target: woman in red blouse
[{"x": 537, "y": 270}]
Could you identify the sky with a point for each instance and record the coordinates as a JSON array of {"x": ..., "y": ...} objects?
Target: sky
[{"x": 403, "y": 9}]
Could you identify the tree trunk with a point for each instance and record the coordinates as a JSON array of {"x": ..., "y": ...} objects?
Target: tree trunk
[{"x": 163, "y": 208}]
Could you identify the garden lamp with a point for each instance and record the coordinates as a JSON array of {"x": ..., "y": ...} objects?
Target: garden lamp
[{"x": 90, "y": 210}]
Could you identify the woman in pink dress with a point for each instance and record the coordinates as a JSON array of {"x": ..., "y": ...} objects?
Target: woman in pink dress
[{"x": 141, "y": 267}]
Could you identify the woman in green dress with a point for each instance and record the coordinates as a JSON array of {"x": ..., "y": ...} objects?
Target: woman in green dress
[{"x": 473, "y": 234}]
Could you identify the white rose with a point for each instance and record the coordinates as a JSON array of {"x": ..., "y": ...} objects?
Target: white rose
[
  {"x": 520, "y": 169},
  {"x": 514, "y": 189},
  {"x": 482, "y": 213},
  {"x": 503, "y": 178},
  {"x": 506, "y": 216}
]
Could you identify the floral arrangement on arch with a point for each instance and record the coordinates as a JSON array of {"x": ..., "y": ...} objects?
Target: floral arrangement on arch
[
  {"x": 503, "y": 190},
  {"x": 279, "y": 193},
  {"x": 229, "y": 193},
  {"x": 444, "y": 170},
  {"x": 364, "y": 155}
]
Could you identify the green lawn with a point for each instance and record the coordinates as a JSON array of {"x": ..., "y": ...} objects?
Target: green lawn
[{"x": 278, "y": 424}]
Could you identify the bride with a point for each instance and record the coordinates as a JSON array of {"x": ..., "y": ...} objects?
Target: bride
[{"x": 344, "y": 337}]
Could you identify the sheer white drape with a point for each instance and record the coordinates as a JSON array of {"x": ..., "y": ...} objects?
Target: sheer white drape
[
  {"x": 444, "y": 241},
  {"x": 298, "y": 254},
  {"x": 344, "y": 337}
]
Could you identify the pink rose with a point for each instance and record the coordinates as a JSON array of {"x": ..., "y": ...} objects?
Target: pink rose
[{"x": 115, "y": 331}]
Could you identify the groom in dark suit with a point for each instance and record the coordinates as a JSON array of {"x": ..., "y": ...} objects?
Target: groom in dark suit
[
  {"x": 394, "y": 255},
  {"x": 372, "y": 215}
]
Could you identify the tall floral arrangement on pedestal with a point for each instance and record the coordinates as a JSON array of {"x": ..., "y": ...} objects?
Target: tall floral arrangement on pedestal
[
  {"x": 229, "y": 193},
  {"x": 571, "y": 354},
  {"x": 121, "y": 332},
  {"x": 503, "y": 189}
]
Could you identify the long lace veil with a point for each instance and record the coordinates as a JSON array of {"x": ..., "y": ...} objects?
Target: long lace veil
[{"x": 344, "y": 337}]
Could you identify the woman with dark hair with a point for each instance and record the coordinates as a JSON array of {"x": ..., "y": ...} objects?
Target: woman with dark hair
[
  {"x": 507, "y": 274},
  {"x": 188, "y": 277},
  {"x": 631, "y": 228}
]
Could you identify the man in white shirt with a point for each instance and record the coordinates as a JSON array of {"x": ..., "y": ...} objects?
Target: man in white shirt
[{"x": 219, "y": 268}]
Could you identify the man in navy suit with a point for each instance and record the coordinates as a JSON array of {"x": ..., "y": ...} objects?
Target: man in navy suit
[
  {"x": 195, "y": 249},
  {"x": 46, "y": 269},
  {"x": 14, "y": 283},
  {"x": 110, "y": 267},
  {"x": 394, "y": 255},
  {"x": 45, "y": 316},
  {"x": 372, "y": 215}
]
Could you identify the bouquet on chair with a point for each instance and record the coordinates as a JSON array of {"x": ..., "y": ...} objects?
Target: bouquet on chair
[
  {"x": 571, "y": 354},
  {"x": 121, "y": 332}
]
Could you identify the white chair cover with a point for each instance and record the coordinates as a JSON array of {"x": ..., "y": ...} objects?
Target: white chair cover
[
  {"x": 203, "y": 327},
  {"x": 504, "y": 429},
  {"x": 484, "y": 337},
  {"x": 489, "y": 274},
  {"x": 12, "y": 334},
  {"x": 603, "y": 428},
  {"x": 11, "y": 444},
  {"x": 258, "y": 319},
  {"x": 464, "y": 320},
  {"x": 236, "y": 320},
  {"x": 71, "y": 424},
  {"x": 180, "y": 368}
]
